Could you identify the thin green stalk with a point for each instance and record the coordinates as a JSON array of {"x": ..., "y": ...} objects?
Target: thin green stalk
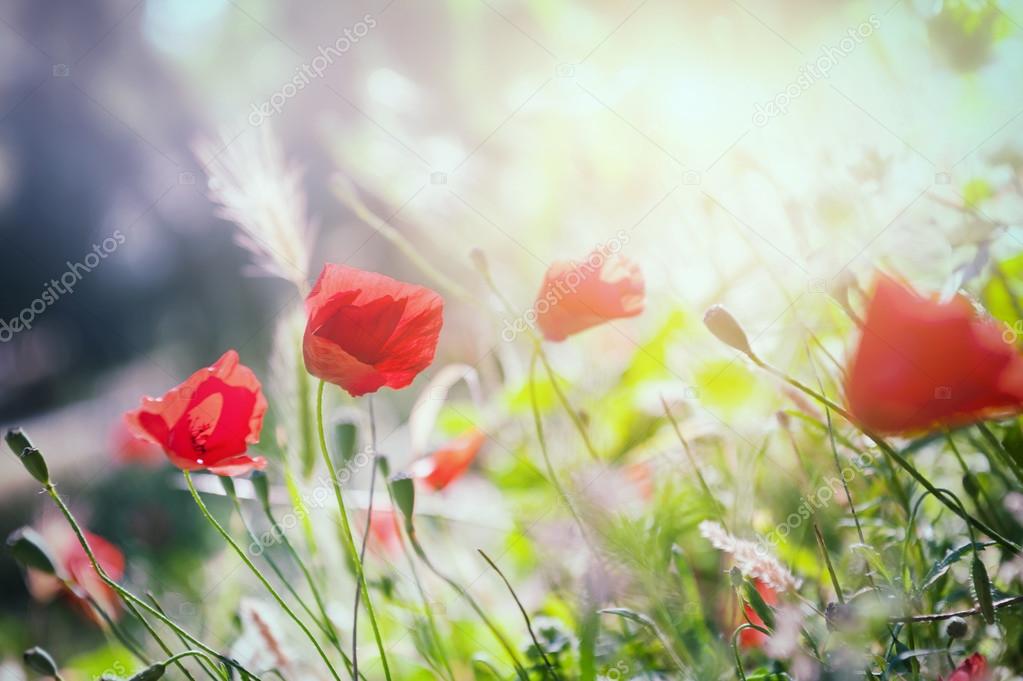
[
  {"x": 324, "y": 621},
  {"x": 132, "y": 646},
  {"x": 349, "y": 540},
  {"x": 126, "y": 596},
  {"x": 525, "y": 615},
  {"x": 217, "y": 675},
  {"x": 538, "y": 423},
  {"x": 569, "y": 409},
  {"x": 156, "y": 637},
  {"x": 890, "y": 452},
  {"x": 692, "y": 461},
  {"x": 430, "y": 619},
  {"x": 259, "y": 575},
  {"x": 999, "y": 448},
  {"x": 418, "y": 548},
  {"x": 369, "y": 524},
  {"x": 268, "y": 558}
]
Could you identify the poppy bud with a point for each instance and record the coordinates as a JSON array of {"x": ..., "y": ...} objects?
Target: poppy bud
[
  {"x": 33, "y": 461},
  {"x": 404, "y": 492},
  {"x": 17, "y": 440},
  {"x": 722, "y": 324},
  {"x": 151, "y": 673},
  {"x": 970, "y": 484},
  {"x": 29, "y": 548},
  {"x": 261, "y": 485},
  {"x": 346, "y": 435},
  {"x": 956, "y": 628},
  {"x": 40, "y": 661},
  {"x": 735, "y": 575},
  {"x": 228, "y": 485}
]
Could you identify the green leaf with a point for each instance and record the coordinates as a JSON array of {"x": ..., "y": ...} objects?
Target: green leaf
[
  {"x": 759, "y": 605},
  {"x": 951, "y": 558}
]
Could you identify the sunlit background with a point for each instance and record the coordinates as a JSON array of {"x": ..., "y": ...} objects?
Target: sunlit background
[{"x": 758, "y": 154}]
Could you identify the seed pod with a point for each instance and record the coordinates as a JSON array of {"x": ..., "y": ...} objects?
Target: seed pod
[
  {"x": 722, "y": 324},
  {"x": 33, "y": 461},
  {"x": 40, "y": 661},
  {"x": 982, "y": 589},
  {"x": 17, "y": 440},
  {"x": 957, "y": 628},
  {"x": 261, "y": 485}
]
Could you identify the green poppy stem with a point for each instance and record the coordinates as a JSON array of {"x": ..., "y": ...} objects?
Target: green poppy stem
[
  {"x": 259, "y": 575},
  {"x": 349, "y": 539},
  {"x": 126, "y": 596}
]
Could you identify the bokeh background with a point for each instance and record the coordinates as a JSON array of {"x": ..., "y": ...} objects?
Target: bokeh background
[{"x": 751, "y": 152}]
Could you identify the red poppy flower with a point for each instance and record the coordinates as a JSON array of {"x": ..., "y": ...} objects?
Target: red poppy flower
[
  {"x": 82, "y": 581},
  {"x": 366, "y": 331},
  {"x": 449, "y": 462},
  {"x": 973, "y": 668},
  {"x": 208, "y": 421},
  {"x": 923, "y": 363},
  {"x": 577, "y": 295},
  {"x": 751, "y": 638}
]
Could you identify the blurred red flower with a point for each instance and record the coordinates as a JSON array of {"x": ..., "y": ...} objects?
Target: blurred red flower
[
  {"x": 385, "y": 537},
  {"x": 130, "y": 449},
  {"x": 82, "y": 581},
  {"x": 450, "y": 461},
  {"x": 751, "y": 638},
  {"x": 366, "y": 330},
  {"x": 578, "y": 295},
  {"x": 922, "y": 363},
  {"x": 208, "y": 421},
  {"x": 973, "y": 668}
]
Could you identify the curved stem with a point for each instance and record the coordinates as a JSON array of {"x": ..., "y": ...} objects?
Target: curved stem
[
  {"x": 259, "y": 575},
  {"x": 525, "y": 615},
  {"x": 572, "y": 414},
  {"x": 215, "y": 672},
  {"x": 418, "y": 548},
  {"x": 369, "y": 524},
  {"x": 126, "y": 596},
  {"x": 327, "y": 625},
  {"x": 349, "y": 540},
  {"x": 538, "y": 423}
]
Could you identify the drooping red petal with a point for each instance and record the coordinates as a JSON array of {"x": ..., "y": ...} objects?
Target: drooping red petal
[
  {"x": 450, "y": 462},
  {"x": 578, "y": 295},
  {"x": 922, "y": 363},
  {"x": 86, "y": 581},
  {"x": 209, "y": 420},
  {"x": 973, "y": 668},
  {"x": 366, "y": 331}
]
